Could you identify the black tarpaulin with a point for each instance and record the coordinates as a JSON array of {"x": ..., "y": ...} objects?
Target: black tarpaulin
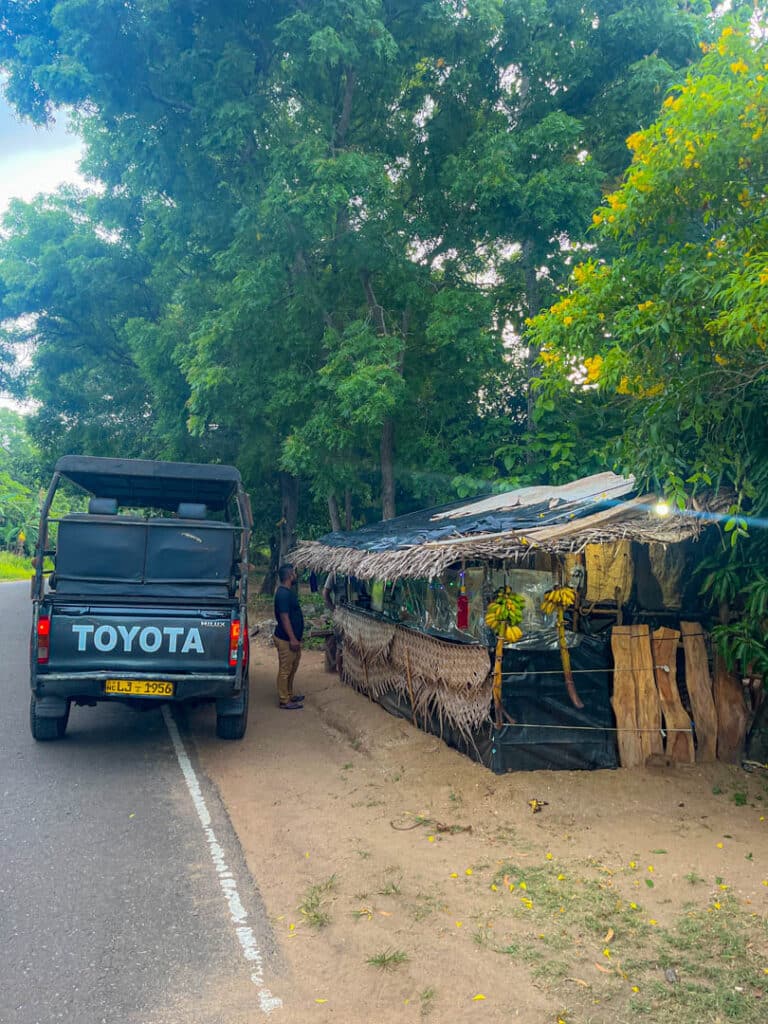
[
  {"x": 551, "y": 733},
  {"x": 525, "y": 509}
]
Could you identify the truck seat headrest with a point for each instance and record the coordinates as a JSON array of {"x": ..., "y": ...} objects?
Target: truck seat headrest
[
  {"x": 191, "y": 510},
  {"x": 102, "y": 507}
]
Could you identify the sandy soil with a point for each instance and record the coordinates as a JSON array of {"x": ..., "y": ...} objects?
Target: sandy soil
[{"x": 343, "y": 790}]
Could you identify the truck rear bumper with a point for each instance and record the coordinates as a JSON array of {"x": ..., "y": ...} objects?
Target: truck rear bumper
[{"x": 89, "y": 686}]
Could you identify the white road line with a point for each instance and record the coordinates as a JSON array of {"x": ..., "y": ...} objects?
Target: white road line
[{"x": 237, "y": 911}]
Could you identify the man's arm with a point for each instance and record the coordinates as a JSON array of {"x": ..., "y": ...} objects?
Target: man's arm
[{"x": 285, "y": 619}]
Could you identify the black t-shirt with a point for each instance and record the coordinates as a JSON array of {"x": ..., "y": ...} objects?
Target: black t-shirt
[{"x": 287, "y": 603}]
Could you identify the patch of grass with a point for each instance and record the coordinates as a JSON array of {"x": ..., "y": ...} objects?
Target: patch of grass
[
  {"x": 347, "y": 766},
  {"x": 388, "y": 959},
  {"x": 483, "y": 937},
  {"x": 740, "y": 799},
  {"x": 581, "y": 903},
  {"x": 14, "y": 567},
  {"x": 551, "y": 970},
  {"x": 717, "y": 790},
  {"x": 428, "y": 904},
  {"x": 426, "y": 998},
  {"x": 312, "y": 907},
  {"x": 718, "y": 955},
  {"x": 455, "y": 798},
  {"x": 363, "y": 854},
  {"x": 390, "y": 888},
  {"x": 693, "y": 878}
]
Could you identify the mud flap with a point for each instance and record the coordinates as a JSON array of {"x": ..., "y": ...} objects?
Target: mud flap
[
  {"x": 51, "y": 707},
  {"x": 231, "y": 705}
]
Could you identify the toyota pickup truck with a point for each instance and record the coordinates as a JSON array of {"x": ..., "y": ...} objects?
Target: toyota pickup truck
[{"x": 146, "y": 599}]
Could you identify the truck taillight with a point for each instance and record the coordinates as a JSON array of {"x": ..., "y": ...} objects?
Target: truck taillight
[
  {"x": 43, "y": 639},
  {"x": 234, "y": 637}
]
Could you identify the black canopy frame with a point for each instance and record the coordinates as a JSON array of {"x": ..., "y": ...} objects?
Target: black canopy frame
[{"x": 146, "y": 483}]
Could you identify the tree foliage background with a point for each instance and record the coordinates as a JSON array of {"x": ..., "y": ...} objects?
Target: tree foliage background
[{"x": 320, "y": 231}]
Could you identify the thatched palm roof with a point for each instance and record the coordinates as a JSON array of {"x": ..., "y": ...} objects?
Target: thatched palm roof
[{"x": 421, "y": 545}]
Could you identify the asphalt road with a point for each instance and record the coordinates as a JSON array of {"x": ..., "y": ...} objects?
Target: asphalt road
[{"x": 116, "y": 904}]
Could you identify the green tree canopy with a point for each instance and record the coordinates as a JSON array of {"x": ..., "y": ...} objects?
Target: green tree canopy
[{"x": 323, "y": 225}]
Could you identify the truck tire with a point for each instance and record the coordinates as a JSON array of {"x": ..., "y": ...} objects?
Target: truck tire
[
  {"x": 46, "y": 728},
  {"x": 232, "y": 727}
]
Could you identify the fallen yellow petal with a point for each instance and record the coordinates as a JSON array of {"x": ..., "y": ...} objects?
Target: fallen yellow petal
[
  {"x": 650, "y": 867},
  {"x": 459, "y": 924},
  {"x": 633, "y": 864},
  {"x": 430, "y": 839},
  {"x": 561, "y": 878},
  {"x": 635, "y": 988},
  {"x": 607, "y": 952},
  {"x": 719, "y": 846},
  {"x": 454, "y": 874},
  {"x": 468, "y": 871},
  {"x": 494, "y": 888},
  {"x": 478, "y": 997},
  {"x": 652, "y": 920},
  {"x": 633, "y": 906},
  {"x": 523, "y": 885},
  {"x": 321, "y": 1000},
  {"x": 549, "y": 856}
]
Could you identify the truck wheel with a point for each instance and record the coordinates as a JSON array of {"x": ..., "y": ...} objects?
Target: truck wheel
[
  {"x": 232, "y": 727},
  {"x": 46, "y": 728}
]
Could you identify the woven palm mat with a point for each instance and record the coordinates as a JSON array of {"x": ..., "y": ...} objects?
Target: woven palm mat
[
  {"x": 448, "y": 681},
  {"x": 372, "y": 638}
]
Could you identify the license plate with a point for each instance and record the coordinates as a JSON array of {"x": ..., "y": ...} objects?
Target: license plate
[{"x": 139, "y": 687}]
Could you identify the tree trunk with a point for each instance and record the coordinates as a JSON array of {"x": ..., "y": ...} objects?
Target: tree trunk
[
  {"x": 289, "y": 514},
  {"x": 347, "y": 509},
  {"x": 532, "y": 302},
  {"x": 333, "y": 512},
  {"x": 269, "y": 582},
  {"x": 387, "y": 470},
  {"x": 387, "y": 450}
]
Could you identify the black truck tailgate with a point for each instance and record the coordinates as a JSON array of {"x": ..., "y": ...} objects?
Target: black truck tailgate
[{"x": 134, "y": 639}]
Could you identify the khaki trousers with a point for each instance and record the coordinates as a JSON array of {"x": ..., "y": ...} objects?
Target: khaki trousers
[{"x": 288, "y": 662}]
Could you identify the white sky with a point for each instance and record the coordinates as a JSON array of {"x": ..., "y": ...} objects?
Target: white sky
[{"x": 33, "y": 159}]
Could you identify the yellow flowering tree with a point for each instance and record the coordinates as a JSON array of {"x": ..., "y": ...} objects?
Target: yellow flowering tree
[{"x": 673, "y": 329}]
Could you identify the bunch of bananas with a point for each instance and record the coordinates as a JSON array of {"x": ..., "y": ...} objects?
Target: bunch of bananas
[
  {"x": 504, "y": 615},
  {"x": 557, "y": 598}
]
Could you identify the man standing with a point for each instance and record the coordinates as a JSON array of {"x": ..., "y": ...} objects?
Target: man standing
[{"x": 288, "y": 634}]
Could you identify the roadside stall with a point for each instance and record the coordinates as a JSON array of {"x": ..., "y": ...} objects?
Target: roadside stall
[{"x": 524, "y": 628}]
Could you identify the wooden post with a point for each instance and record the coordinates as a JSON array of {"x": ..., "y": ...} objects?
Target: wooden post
[
  {"x": 624, "y": 699},
  {"x": 699, "y": 685},
  {"x": 648, "y": 706},
  {"x": 731, "y": 711},
  {"x": 679, "y": 743}
]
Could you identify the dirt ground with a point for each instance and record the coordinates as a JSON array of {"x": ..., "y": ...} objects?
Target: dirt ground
[{"x": 631, "y": 894}]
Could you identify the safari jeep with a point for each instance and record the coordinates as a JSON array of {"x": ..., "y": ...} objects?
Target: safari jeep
[{"x": 146, "y": 600}]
